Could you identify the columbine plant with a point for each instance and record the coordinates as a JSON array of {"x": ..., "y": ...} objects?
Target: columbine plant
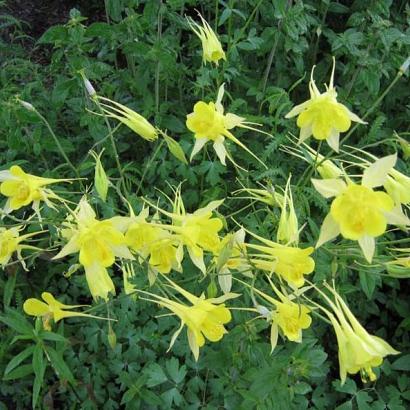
[
  {"x": 51, "y": 308},
  {"x": 205, "y": 318},
  {"x": 322, "y": 115},
  {"x": 98, "y": 243},
  {"x": 208, "y": 123},
  {"x": 23, "y": 189},
  {"x": 358, "y": 212},
  {"x": 358, "y": 350},
  {"x": 212, "y": 50}
]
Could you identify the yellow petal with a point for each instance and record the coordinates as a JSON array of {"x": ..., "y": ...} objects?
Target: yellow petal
[{"x": 35, "y": 307}]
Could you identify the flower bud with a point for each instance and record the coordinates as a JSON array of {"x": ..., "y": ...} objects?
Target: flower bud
[
  {"x": 27, "y": 105},
  {"x": 101, "y": 181}
]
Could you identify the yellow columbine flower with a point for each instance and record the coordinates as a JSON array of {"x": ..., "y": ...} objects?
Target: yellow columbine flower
[
  {"x": 289, "y": 316},
  {"x": 98, "y": 243},
  {"x": 51, "y": 309},
  {"x": 198, "y": 231},
  {"x": 358, "y": 350},
  {"x": 149, "y": 240},
  {"x": 205, "y": 318},
  {"x": 359, "y": 212},
  {"x": 10, "y": 242},
  {"x": 129, "y": 118},
  {"x": 211, "y": 47},
  {"x": 287, "y": 262},
  {"x": 208, "y": 123},
  {"x": 23, "y": 189},
  {"x": 322, "y": 116}
]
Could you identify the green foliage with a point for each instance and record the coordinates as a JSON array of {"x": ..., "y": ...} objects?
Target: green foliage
[{"x": 143, "y": 54}]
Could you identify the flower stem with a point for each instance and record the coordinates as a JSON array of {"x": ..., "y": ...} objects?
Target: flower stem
[
  {"x": 59, "y": 146},
  {"x": 114, "y": 147},
  {"x": 149, "y": 163},
  {"x": 374, "y": 105}
]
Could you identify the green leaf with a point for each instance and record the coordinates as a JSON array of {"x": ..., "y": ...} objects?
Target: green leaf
[
  {"x": 54, "y": 337},
  {"x": 367, "y": 282},
  {"x": 302, "y": 388},
  {"x": 39, "y": 368},
  {"x": 16, "y": 360},
  {"x": 156, "y": 375},
  {"x": 17, "y": 322},
  {"x": 402, "y": 363},
  {"x": 172, "y": 396},
  {"x": 53, "y": 34},
  {"x": 362, "y": 398},
  {"x": 347, "y": 405},
  {"x": 19, "y": 372},
  {"x": 60, "y": 366},
  {"x": 9, "y": 290},
  {"x": 177, "y": 374},
  {"x": 349, "y": 386}
]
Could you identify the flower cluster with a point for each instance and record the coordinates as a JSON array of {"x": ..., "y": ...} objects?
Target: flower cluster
[{"x": 159, "y": 241}]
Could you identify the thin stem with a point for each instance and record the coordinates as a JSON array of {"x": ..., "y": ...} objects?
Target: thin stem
[
  {"x": 59, "y": 146},
  {"x": 247, "y": 23},
  {"x": 111, "y": 136},
  {"x": 158, "y": 68},
  {"x": 148, "y": 166},
  {"x": 374, "y": 105}
]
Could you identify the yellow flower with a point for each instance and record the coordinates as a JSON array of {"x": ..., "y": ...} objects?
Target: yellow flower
[
  {"x": 23, "y": 189},
  {"x": 208, "y": 123},
  {"x": 98, "y": 243},
  {"x": 358, "y": 350},
  {"x": 10, "y": 242},
  {"x": 287, "y": 262},
  {"x": 289, "y": 316},
  {"x": 359, "y": 212},
  {"x": 292, "y": 319},
  {"x": 322, "y": 116},
  {"x": 205, "y": 318},
  {"x": 51, "y": 309},
  {"x": 129, "y": 118},
  {"x": 211, "y": 47},
  {"x": 198, "y": 231}
]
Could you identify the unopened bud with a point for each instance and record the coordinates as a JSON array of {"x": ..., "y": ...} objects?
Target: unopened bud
[
  {"x": 90, "y": 89},
  {"x": 101, "y": 181},
  {"x": 27, "y": 105},
  {"x": 404, "y": 67},
  {"x": 212, "y": 289}
]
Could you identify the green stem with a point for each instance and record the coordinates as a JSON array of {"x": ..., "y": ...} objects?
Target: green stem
[
  {"x": 148, "y": 166},
  {"x": 374, "y": 105},
  {"x": 157, "y": 70},
  {"x": 114, "y": 147},
  {"x": 59, "y": 146}
]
